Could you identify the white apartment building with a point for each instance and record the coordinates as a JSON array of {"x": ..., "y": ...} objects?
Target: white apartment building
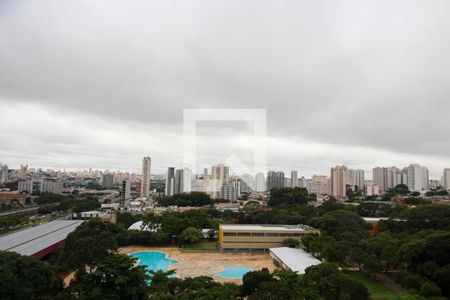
[
  {"x": 319, "y": 185},
  {"x": 294, "y": 179},
  {"x": 446, "y": 179},
  {"x": 417, "y": 177},
  {"x": 260, "y": 182},
  {"x": 40, "y": 186}
]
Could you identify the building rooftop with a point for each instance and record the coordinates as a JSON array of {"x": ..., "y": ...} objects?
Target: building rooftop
[
  {"x": 37, "y": 240},
  {"x": 295, "y": 259},
  {"x": 254, "y": 227}
]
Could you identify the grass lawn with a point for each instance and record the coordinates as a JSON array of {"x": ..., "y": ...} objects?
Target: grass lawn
[
  {"x": 201, "y": 247},
  {"x": 377, "y": 290}
]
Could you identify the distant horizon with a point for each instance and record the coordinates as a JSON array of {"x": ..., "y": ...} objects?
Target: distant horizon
[{"x": 163, "y": 172}]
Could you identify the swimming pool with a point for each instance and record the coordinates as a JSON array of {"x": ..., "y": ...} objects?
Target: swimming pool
[
  {"x": 234, "y": 272},
  {"x": 153, "y": 260}
]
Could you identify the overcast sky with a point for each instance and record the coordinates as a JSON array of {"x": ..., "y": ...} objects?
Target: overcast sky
[{"x": 102, "y": 83}]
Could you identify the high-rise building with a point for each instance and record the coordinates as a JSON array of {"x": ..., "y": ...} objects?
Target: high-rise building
[
  {"x": 319, "y": 185},
  {"x": 417, "y": 177},
  {"x": 23, "y": 171},
  {"x": 350, "y": 178},
  {"x": 187, "y": 180},
  {"x": 446, "y": 179},
  {"x": 247, "y": 183},
  {"x": 179, "y": 181},
  {"x": 125, "y": 190},
  {"x": 36, "y": 186},
  {"x": 220, "y": 172},
  {"x": 183, "y": 181},
  {"x": 372, "y": 190},
  {"x": 275, "y": 180},
  {"x": 145, "y": 182},
  {"x": 302, "y": 182},
  {"x": 280, "y": 179},
  {"x": 294, "y": 179},
  {"x": 359, "y": 179},
  {"x": 378, "y": 178},
  {"x": 271, "y": 180},
  {"x": 392, "y": 177},
  {"x": 3, "y": 173},
  {"x": 229, "y": 191},
  {"x": 260, "y": 182},
  {"x": 434, "y": 184},
  {"x": 170, "y": 182},
  {"x": 219, "y": 176},
  {"x": 108, "y": 180},
  {"x": 338, "y": 181}
]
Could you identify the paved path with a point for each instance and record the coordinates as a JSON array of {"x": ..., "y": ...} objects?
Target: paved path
[{"x": 389, "y": 282}]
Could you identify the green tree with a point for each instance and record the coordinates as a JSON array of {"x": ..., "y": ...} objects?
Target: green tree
[
  {"x": 91, "y": 241},
  {"x": 353, "y": 289},
  {"x": 114, "y": 277},
  {"x": 326, "y": 278},
  {"x": 127, "y": 219},
  {"x": 430, "y": 290},
  {"x": 191, "y": 235},
  {"x": 23, "y": 277},
  {"x": 292, "y": 243},
  {"x": 288, "y": 195},
  {"x": 372, "y": 265},
  {"x": 335, "y": 252},
  {"x": 186, "y": 199},
  {"x": 339, "y": 221},
  {"x": 252, "y": 280}
]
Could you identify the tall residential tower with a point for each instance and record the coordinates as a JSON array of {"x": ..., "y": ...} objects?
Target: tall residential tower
[{"x": 145, "y": 183}]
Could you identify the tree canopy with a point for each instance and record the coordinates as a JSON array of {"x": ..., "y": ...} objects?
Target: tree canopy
[
  {"x": 288, "y": 195},
  {"x": 90, "y": 241},
  {"x": 23, "y": 277},
  {"x": 186, "y": 199}
]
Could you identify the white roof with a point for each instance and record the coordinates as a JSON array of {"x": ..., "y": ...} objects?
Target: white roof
[
  {"x": 296, "y": 259},
  {"x": 92, "y": 212},
  {"x": 138, "y": 226},
  {"x": 286, "y": 228}
]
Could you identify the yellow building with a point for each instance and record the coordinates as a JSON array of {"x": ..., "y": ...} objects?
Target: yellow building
[{"x": 259, "y": 237}]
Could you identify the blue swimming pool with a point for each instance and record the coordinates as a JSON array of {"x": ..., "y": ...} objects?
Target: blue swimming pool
[
  {"x": 153, "y": 260},
  {"x": 232, "y": 272}
]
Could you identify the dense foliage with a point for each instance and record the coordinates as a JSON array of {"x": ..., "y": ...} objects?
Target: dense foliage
[
  {"x": 89, "y": 242},
  {"x": 195, "y": 199},
  {"x": 289, "y": 195},
  {"x": 58, "y": 203},
  {"x": 114, "y": 277},
  {"x": 23, "y": 277}
]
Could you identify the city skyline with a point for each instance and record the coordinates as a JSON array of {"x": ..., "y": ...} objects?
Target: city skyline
[{"x": 379, "y": 174}]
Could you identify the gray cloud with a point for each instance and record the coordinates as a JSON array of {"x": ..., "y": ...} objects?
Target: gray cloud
[{"x": 370, "y": 74}]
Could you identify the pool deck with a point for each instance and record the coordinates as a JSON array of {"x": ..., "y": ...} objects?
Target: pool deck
[{"x": 207, "y": 264}]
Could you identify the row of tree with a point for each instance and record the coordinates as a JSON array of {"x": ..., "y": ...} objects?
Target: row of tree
[
  {"x": 66, "y": 203},
  {"x": 195, "y": 199}
]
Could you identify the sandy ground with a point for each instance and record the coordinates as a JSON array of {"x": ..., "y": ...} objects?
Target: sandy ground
[{"x": 207, "y": 264}]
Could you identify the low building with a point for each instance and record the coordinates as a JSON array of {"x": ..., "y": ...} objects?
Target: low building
[
  {"x": 293, "y": 259},
  {"x": 106, "y": 217},
  {"x": 239, "y": 237},
  {"x": 39, "y": 241},
  {"x": 9, "y": 197}
]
